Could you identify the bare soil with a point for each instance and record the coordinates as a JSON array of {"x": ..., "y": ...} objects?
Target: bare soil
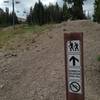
[{"x": 37, "y": 71}]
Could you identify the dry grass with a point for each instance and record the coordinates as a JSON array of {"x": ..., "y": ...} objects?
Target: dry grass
[{"x": 9, "y": 38}]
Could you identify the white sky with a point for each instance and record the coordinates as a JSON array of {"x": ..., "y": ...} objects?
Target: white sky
[{"x": 26, "y": 4}]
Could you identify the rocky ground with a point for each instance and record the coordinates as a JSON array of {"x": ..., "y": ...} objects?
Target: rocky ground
[{"x": 37, "y": 71}]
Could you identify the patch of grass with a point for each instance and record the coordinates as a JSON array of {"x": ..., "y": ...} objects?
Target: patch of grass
[
  {"x": 23, "y": 31},
  {"x": 98, "y": 58}
]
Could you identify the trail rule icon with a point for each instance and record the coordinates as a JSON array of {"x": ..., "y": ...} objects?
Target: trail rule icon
[
  {"x": 73, "y": 46},
  {"x": 75, "y": 86},
  {"x": 74, "y": 60}
]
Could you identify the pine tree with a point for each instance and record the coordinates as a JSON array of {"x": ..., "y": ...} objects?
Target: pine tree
[
  {"x": 11, "y": 18},
  {"x": 96, "y": 15},
  {"x": 30, "y": 17},
  {"x": 1, "y": 16},
  {"x": 46, "y": 15},
  {"x": 51, "y": 10},
  {"x": 77, "y": 9},
  {"x": 41, "y": 14},
  {"x": 38, "y": 13},
  {"x": 65, "y": 12},
  {"x": 7, "y": 16},
  {"x": 57, "y": 13}
]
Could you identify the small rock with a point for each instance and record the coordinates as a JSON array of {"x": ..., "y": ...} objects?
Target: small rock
[
  {"x": 14, "y": 55},
  {"x": 10, "y": 55},
  {"x": 27, "y": 48},
  {"x": 36, "y": 46},
  {"x": 4, "y": 70},
  {"x": 18, "y": 45},
  {"x": 37, "y": 50},
  {"x": 50, "y": 37},
  {"x": 64, "y": 30},
  {"x": 2, "y": 86},
  {"x": 33, "y": 41}
]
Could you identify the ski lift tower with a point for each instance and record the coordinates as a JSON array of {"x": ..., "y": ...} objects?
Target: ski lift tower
[{"x": 13, "y": 12}]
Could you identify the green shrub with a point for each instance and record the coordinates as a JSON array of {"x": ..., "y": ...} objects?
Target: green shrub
[{"x": 98, "y": 58}]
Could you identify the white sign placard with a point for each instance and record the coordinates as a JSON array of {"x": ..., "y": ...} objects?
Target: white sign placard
[{"x": 74, "y": 67}]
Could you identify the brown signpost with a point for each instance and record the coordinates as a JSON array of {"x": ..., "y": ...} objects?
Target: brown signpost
[{"x": 73, "y": 43}]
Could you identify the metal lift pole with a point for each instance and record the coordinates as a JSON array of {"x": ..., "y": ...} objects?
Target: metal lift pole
[{"x": 13, "y": 14}]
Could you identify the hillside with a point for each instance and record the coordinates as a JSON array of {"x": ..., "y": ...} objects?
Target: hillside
[{"x": 32, "y": 62}]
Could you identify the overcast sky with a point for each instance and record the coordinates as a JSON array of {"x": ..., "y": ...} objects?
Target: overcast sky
[{"x": 26, "y": 4}]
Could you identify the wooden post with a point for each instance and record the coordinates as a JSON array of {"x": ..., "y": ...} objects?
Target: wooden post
[{"x": 73, "y": 45}]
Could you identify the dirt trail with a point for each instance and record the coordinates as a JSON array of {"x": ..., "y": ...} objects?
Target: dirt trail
[{"x": 39, "y": 73}]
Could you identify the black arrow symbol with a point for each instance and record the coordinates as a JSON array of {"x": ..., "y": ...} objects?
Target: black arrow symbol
[{"x": 74, "y": 59}]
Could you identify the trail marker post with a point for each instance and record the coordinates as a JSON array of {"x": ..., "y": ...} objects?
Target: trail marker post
[{"x": 73, "y": 45}]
